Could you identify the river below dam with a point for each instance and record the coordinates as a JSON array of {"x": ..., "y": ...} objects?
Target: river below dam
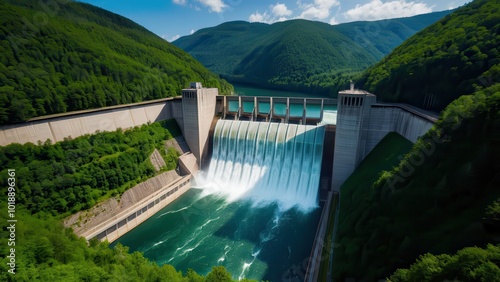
[
  {"x": 256, "y": 211},
  {"x": 199, "y": 231}
]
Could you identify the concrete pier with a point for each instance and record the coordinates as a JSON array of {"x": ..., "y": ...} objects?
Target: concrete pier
[{"x": 271, "y": 109}]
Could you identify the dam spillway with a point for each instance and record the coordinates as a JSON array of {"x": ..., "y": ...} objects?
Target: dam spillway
[
  {"x": 267, "y": 162},
  {"x": 257, "y": 210}
]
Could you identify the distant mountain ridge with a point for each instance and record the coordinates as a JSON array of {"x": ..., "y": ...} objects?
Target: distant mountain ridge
[
  {"x": 84, "y": 57},
  {"x": 299, "y": 54}
]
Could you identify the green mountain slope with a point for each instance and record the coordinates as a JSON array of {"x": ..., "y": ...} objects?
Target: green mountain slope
[
  {"x": 70, "y": 56},
  {"x": 444, "y": 194},
  {"x": 450, "y": 58},
  {"x": 438, "y": 199},
  {"x": 299, "y": 54}
]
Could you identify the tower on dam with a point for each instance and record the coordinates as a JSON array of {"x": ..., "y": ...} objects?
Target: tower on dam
[
  {"x": 198, "y": 111},
  {"x": 353, "y": 114}
]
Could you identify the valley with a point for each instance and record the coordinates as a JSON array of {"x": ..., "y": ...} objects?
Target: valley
[{"x": 295, "y": 150}]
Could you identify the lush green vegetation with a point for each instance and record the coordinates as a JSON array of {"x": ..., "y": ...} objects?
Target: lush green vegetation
[
  {"x": 53, "y": 180},
  {"x": 61, "y": 56},
  {"x": 75, "y": 174},
  {"x": 45, "y": 251},
  {"x": 438, "y": 199},
  {"x": 299, "y": 55},
  {"x": 455, "y": 56},
  {"x": 469, "y": 264},
  {"x": 443, "y": 195}
]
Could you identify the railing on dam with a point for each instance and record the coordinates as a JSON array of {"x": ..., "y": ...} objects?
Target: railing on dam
[
  {"x": 274, "y": 109},
  {"x": 429, "y": 116},
  {"x": 120, "y": 224}
]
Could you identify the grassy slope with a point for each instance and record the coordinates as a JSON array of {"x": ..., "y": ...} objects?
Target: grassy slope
[
  {"x": 357, "y": 193},
  {"x": 448, "y": 59},
  {"x": 298, "y": 54},
  {"x": 384, "y": 156},
  {"x": 433, "y": 201},
  {"x": 85, "y": 57}
]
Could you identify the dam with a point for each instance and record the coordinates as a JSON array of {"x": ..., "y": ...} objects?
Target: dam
[
  {"x": 282, "y": 161},
  {"x": 268, "y": 167}
]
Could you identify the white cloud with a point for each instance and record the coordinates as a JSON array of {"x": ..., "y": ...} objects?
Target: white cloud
[
  {"x": 317, "y": 10},
  {"x": 179, "y": 2},
  {"x": 214, "y": 5},
  {"x": 279, "y": 13},
  {"x": 258, "y": 17},
  {"x": 333, "y": 21},
  {"x": 175, "y": 37},
  {"x": 192, "y": 31},
  {"x": 377, "y": 10},
  {"x": 280, "y": 10}
]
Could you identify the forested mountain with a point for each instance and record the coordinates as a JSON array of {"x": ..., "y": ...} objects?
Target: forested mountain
[
  {"x": 455, "y": 56},
  {"x": 443, "y": 196},
  {"x": 298, "y": 54},
  {"x": 63, "y": 56}
]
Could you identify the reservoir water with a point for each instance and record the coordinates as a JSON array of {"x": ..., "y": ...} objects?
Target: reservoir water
[
  {"x": 312, "y": 111},
  {"x": 243, "y": 90},
  {"x": 255, "y": 210}
]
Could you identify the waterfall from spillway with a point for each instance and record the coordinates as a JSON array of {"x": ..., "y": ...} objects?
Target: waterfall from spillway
[{"x": 266, "y": 162}]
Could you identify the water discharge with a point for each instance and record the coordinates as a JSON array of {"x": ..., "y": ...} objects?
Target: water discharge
[
  {"x": 256, "y": 211},
  {"x": 266, "y": 162}
]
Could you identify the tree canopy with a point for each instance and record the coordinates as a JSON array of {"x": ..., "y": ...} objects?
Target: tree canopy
[
  {"x": 62, "y": 56},
  {"x": 455, "y": 56},
  {"x": 75, "y": 174},
  {"x": 439, "y": 198}
]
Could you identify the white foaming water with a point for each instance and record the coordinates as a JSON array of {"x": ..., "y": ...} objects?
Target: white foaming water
[
  {"x": 266, "y": 162},
  {"x": 329, "y": 117}
]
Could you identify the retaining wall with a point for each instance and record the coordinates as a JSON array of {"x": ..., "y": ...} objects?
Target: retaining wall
[
  {"x": 383, "y": 120},
  {"x": 125, "y": 221},
  {"x": 75, "y": 124}
]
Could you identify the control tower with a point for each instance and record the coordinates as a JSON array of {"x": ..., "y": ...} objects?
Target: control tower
[
  {"x": 353, "y": 113},
  {"x": 198, "y": 108}
]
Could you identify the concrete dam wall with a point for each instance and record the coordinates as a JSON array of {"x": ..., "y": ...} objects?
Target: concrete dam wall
[
  {"x": 385, "y": 119},
  {"x": 75, "y": 124},
  {"x": 362, "y": 123}
]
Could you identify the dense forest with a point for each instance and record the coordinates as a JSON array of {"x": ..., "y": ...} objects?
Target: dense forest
[
  {"x": 54, "y": 180},
  {"x": 299, "y": 55},
  {"x": 63, "y": 56},
  {"x": 469, "y": 264},
  {"x": 442, "y": 196},
  {"x": 75, "y": 174},
  {"x": 458, "y": 55}
]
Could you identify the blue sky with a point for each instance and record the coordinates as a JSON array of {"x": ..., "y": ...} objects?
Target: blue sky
[{"x": 173, "y": 18}]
